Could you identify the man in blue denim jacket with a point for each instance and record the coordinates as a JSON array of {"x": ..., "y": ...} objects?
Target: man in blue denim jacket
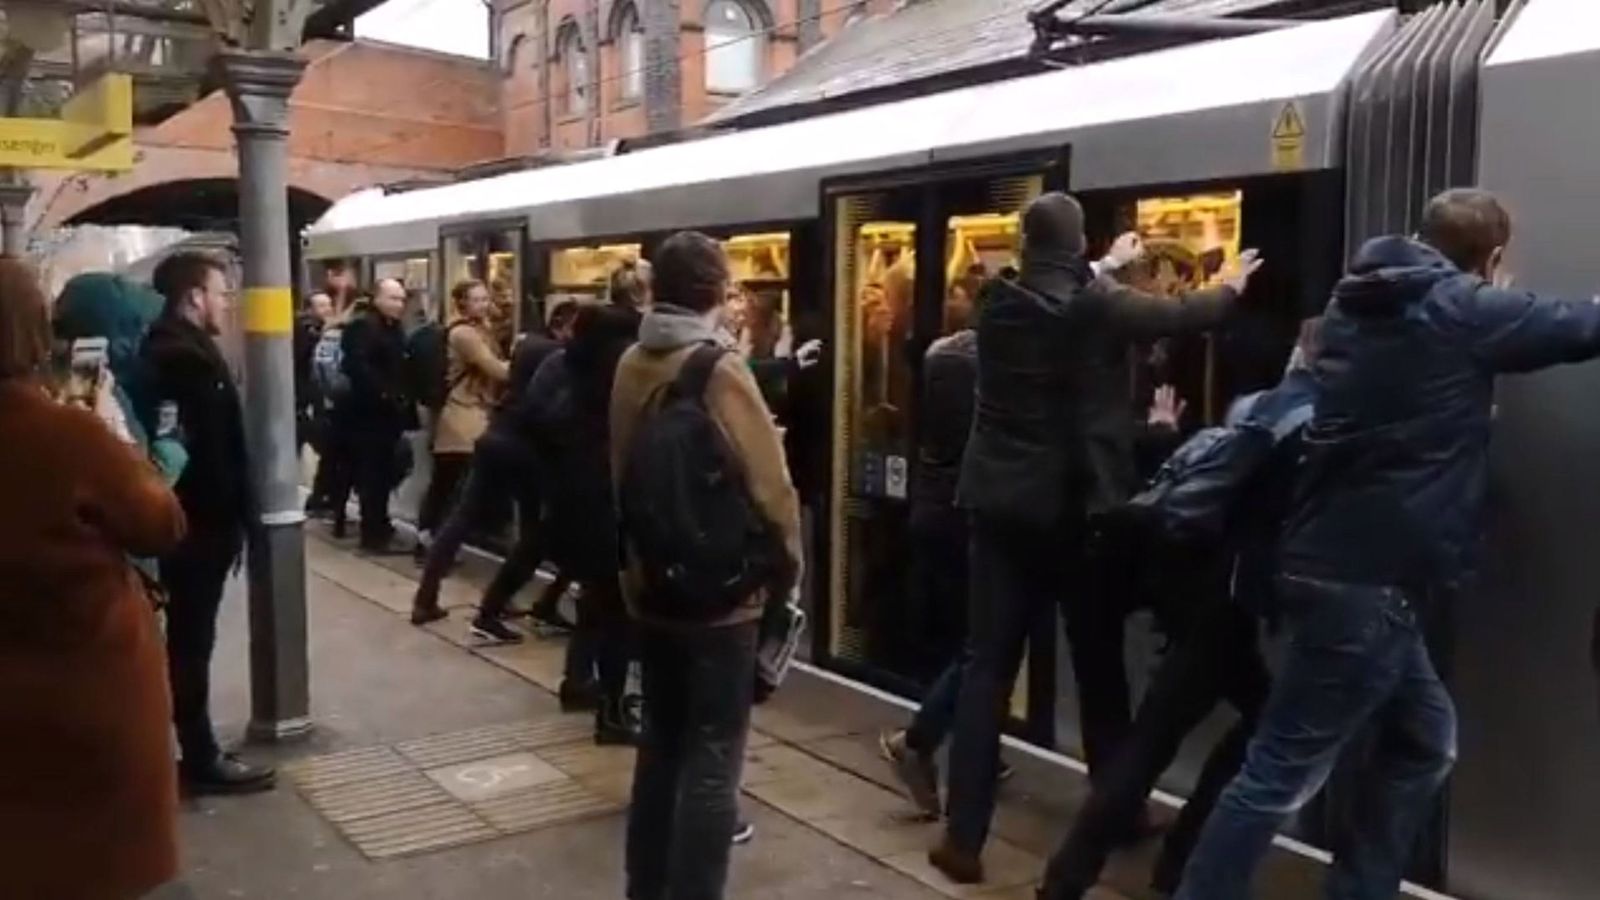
[{"x": 1385, "y": 522}]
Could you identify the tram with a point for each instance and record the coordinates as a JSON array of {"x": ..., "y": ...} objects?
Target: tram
[{"x": 867, "y": 227}]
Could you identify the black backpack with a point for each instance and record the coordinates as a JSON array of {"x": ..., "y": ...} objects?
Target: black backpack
[
  {"x": 428, "y": 364},
  {"x": 687, "y": 514}
]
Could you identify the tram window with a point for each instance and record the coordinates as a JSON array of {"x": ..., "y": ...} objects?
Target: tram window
[
  {"x": 886, "y": 263},
  {"x": 587, "y": 270},
  {"x": 413, "y": 273},
  {"x": 759, "y": 307},
  {"x": 977, "y": 248},
  {"x": 1191, "y": 242}
]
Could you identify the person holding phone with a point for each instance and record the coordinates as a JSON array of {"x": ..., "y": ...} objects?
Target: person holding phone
[{"x": 87, "y": 785}]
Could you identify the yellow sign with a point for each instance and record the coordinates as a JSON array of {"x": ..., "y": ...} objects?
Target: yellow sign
[
  {"x": 94, "y": 133},
  {"x": 1289, "y": 138}
]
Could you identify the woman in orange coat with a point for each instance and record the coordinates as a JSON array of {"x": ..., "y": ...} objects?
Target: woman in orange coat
[{"x": 88, "y": 787}]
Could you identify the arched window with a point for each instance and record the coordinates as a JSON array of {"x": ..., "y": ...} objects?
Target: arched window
[
  {"x": 574, "y": 61},
  {"x": 630, "y": 53},
  {"x": 734, "y": 49}
]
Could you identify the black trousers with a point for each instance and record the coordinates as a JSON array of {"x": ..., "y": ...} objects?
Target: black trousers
[
  {"x": 603, "y": 644},
  {"x": 372, "y": 463},
  {"x": 444, "y": 488},
  {"x": 194, "y": 577},
  {"x": 1217, "y": 660},
  {"x": 1017, "y": 570},
  {"x": 489, "y": 480},
  {"x": 698, "y": 686}
]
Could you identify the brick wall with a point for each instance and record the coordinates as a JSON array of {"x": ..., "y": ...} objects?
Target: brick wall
[{"x": 675, "y": 95}]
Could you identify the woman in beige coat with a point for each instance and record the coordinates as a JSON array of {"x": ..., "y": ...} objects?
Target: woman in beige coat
[{"x": 475, "y": 376}]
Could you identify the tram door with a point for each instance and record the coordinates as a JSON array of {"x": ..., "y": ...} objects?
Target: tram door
[{"x": 909, "y": 261}]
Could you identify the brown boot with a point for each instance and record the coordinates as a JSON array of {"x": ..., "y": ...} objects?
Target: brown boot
[{"x": 957, "y": 865}]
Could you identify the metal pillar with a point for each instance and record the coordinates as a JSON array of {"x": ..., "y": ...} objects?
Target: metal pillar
[
  {"x": 14, "y": 196},
  {"x": 259, "y": 84}
]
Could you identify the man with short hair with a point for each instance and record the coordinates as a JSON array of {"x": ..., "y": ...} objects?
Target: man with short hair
[
  {"x": 1051, "y": 451},
  {"x": 698, "y": 673},
  {"x": 378, "y": 409},
  {"x": 1383, "y": 532},
  {"x": 186, "y": 368}
]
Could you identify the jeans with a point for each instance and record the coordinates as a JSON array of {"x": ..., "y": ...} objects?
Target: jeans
[
  {"x": 194, "y": 577},
  {"x": 698, "y": 686},
  {"x": 1018, "y": 570},
  {"x": 931, "y": 725},
  {"x": 1217, "y": 659},
  {"x": 1356, "y": 656},
  {"x": 444, "y": 489}
]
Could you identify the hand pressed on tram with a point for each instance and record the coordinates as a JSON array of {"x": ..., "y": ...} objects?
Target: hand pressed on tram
[
  {"x": 1166, "y": 407},
  {"x": 1127, "y": 248},
  {"x": 1246, "y": 265}
]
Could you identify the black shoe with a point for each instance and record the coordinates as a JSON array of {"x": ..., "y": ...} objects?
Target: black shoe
[
  {"x": 226, "y": 774},
  {"x": 340, "y": 528},
  {"x": 743, "y": 833},
  {"x": 956, "y": 864},
  {"x": 384, "y": 547},
  {"x": 494, "y": 632},
  {"x": 426, "y": 613},
  {"x": 616, "y": 724},
  {"x": 547, "y": 617},
  {"x": 579, "y": 696}
]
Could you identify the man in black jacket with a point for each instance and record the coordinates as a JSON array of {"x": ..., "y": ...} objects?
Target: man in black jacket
[
  {"x": 1384, "y": 529},
  {"x": 1051, "y": 447},
  {"x": 378, "y": 409},
  {"x": 503, "y": 465},
  {"x": 185, "y": 368}
]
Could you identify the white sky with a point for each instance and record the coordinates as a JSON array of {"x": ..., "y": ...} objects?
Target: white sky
[{"x": 449, "y": 26}]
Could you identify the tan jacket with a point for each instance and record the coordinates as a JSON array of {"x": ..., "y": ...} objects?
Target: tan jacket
[
  {"x": 476, "y": 375},
  {"x": 736, "y": 405}
]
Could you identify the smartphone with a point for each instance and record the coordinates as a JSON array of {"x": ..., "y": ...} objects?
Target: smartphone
[{"x": 87, "y": 367}]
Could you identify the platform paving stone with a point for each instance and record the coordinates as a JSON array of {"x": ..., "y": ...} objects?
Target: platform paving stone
[
  {"x": 1005, "y": 866},
  {"x": 812, "y": 758}
]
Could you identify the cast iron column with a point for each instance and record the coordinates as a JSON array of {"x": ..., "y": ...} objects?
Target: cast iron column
[
  {"x": 14, "y": 216},
  {"x": 259, "y": 84}
]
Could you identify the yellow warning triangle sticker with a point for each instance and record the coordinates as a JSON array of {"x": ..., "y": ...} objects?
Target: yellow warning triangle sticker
[{"x": 1289, "y": 125}]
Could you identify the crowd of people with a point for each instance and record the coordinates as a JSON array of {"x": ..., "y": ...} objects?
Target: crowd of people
[{"x": 635, "y": 438}]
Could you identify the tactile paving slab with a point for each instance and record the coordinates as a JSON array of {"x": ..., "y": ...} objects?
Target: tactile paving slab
[{"x": 401, "y": 800}]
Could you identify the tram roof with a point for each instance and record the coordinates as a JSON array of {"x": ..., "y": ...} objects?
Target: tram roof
[
  {"x": 1199, "y": 112},
  {"x": 1549, "y": 28}
]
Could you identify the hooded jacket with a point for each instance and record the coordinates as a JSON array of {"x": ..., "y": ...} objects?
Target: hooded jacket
[
  {"x": 1053, "y": 432},
  {"x": 734, "y": 400},
  {"x": 564, "y": 412},
  {"x": 1392, "y": 489}
]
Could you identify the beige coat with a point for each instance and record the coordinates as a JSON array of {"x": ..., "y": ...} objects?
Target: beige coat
[
  {"x": 736, "y": 405},
  {"x": 476, "y": 376}
]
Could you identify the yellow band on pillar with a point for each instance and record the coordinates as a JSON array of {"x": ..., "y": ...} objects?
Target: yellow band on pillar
[{"x": 268, "y": 310}]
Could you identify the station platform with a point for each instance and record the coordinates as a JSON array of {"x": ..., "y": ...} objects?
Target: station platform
[{"x": 441, "y": 769}]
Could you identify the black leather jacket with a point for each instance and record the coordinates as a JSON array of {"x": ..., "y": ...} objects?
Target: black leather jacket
[{"x": 1054, "y": 428}]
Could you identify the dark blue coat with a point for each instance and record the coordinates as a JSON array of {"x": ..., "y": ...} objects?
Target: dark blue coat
[{"x": 1392, "y": 487}]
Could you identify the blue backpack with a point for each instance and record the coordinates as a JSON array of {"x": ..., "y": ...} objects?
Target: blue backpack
[
  {"x": 1198, "y": 494},
  {"x": 327, "y": 365}
]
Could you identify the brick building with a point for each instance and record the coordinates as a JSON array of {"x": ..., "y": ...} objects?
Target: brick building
[{"x": 581, "y": 73}]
